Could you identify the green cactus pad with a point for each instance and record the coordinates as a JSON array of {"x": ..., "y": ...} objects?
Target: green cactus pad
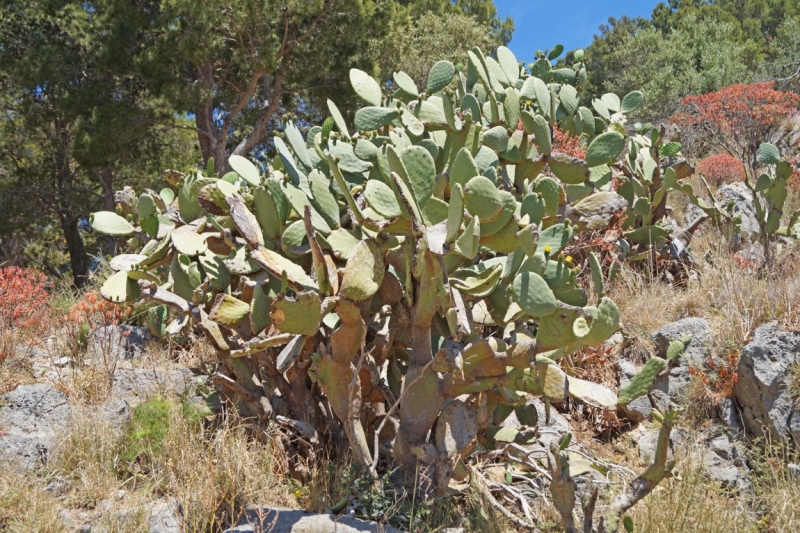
[
  {"x": 467, "y": 244},
  {"x": 294, "y": 241},
  {"x": 228, "y": 311},
  {"x": 631, "y": 102},
  {"x": 504, "y": 241},
  {"x": 110, "y": 223},
  {"x": 509, "y": 64},
  {"x": 323, "y": 199},
  {"x": 298, "y": 200},
  {"x": 463, "y": 168},
  {"x": 216, "y": 271},
  {"x": 569, "y": 99},
  {"x": 435, "y": 211},
  {"x": 363, "y": 273},
  {"x": 550, "y": 191},
  {"x": 597, "y": 275},
  {"x": 189, "y": 243},
  {"x": 342, "y": 243},
  {"x": 381, "y": 198},
  {"x": 533, "y": 295},
  {"x": 365, "y": 87},
  {"x": 245, "y": 169},
  {"x": 605, "y": 148},
  {"x": 295, "y": 139},
  {"x": 496, "y": 138},
  {"x": 570, "y": 170},
  {"x": 506, "y": 214},
  {"x": 157, "y": 320},
  {"x": 555, "y": 238},
  {"x": 338, "y": 119},
  {"x": 455, "y": 212},
  {"x": 642, "y": 381},
  {"x": 405, "y": 83},
  {"x": 471, "y": 104},
  {"x": 604, "y": 323},
  {"x": 533, "y": 206},
  {"x": 301, "y": 316},
  {"x": 120, "y": 288},
  {"x": 266, "y": 213},
  {"x": 675, "y": 350},
  {"x": 482, "y": 198},
  {"x": 477, "y": 284},
  {"x": 440, "y": 76},
  {"x": 260, "y": 307},
  {"x": 647, "y": 235},
  {"x": 372, "y": 118},
  {"x": 421, "y": 170},
  {"x": 511, "y": 108},
  {"x": 146, "y": 206},
  {"x": 541, "y": 131}
]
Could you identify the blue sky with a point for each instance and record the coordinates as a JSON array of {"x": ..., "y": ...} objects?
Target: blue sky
[{"x": 540, "y": 24}]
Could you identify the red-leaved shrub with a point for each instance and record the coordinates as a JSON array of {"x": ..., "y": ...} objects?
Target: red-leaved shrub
[
  {"x": 738, "y": 118},
  {"x": 567, "y": 144},
  {"x": 24, "y": 313},
  {"x": 721, "y": 168}
]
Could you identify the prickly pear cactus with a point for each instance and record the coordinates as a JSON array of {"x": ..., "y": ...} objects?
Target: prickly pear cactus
[{"x": 416, "y": 253}]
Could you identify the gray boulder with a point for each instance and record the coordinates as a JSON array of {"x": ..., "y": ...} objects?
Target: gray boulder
[
  {"x": 166, "y": 516},
  {"x": 671, "y": 386},
  {"x": 112, "y": 343},
  {"x": 723, "y": 460},
  {"x": 763, "y": 388},
  {"x": 742, "y": 199},
  {"x": 31, "y": 418},
  {"x": 117, "y": 413},
  {"x": 272, "y": 520},
  {"x": 136, "y": 385}
]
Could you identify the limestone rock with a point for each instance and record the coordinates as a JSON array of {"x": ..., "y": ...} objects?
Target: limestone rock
[
  {"x": 272, "y": 520},
  {"x": 763, "y": 388},
  {"x": 136, "y": 385},
  {"x": 31, "y": 418}
]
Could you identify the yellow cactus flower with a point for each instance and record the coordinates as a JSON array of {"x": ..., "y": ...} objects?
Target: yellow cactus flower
[{"x": 547, "y": 249}]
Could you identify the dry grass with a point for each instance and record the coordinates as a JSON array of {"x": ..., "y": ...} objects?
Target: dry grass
[
  {"x": 25, "y": 507},
  {"x": 777, "y": 490},
  {"x": 735, "y": 300},
  {"x": 690, "y": 504},
  {"x": 213, "y": 472}
]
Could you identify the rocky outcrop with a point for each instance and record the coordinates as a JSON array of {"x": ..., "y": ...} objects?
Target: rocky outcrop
[
  {"x": 763, "y": 389},
  {"x": 31, "y": 418},
  {"x": 136, "y": 385},
  {"x": 671, "y": 386}
]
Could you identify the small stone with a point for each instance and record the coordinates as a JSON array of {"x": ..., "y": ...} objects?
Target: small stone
[{"x": 166, "y": 516}]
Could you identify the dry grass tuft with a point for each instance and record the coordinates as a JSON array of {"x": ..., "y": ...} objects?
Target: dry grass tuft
[
  {"x": 734, "y": 299},
  {"x": 213, "y": 471},
  {"x": 777, "y": 490},
  {"x": 25, "y": 507},
  {"x": 690, "y": 504}
]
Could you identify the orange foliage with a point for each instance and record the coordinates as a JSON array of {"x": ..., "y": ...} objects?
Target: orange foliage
[
  {"x": 24, "y": 314},
  {"x": 738, "y": 118},
  {"x": 567, "y": 144},
  {"x": 721, "y": 168}
]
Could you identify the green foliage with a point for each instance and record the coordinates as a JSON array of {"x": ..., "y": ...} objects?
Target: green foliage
[{"x": 414, "y": 45}]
